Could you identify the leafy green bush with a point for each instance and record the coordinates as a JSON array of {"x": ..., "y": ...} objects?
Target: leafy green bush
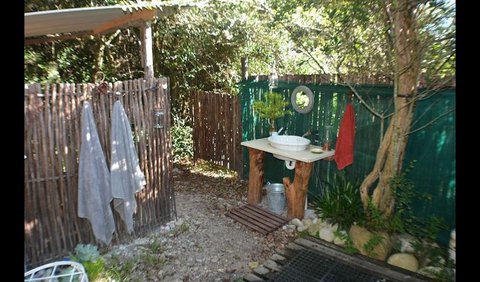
[
  {"x": 405, "y": 194},
  {"x": 340, "y": 202},
  {"x": 89, "y": 256},
  {"x": 182, "y": 139}
]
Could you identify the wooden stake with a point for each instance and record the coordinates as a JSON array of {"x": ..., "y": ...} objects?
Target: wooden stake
[{"x": 255, "y": 177}]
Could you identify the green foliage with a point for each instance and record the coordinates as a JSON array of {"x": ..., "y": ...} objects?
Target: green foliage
[
  {"x": 201, "y": 48},
  {"x": 120, "y": 269},
  {"x": 184, "y": 227},
  {"x": 182, "y": 139},
  {"x": 374, "y": 241},
  {"x": 375, "y": 220},
  {"x": 89, "y": 256},
  {"x": 349, "y": 248},
  {"x": 405, "y": 194},
  {"x": 127, "y": 267},
  {"x": 403, "y": 219},
  {"x": 340, "y": 201},
  {"x": 272, "y": 107},
  {"x": 86, "y": 252}
]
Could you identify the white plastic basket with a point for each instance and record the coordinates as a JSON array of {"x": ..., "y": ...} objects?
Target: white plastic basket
[{"x": 58, "y": 271}]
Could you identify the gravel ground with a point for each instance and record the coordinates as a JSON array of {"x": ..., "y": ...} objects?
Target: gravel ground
[{"x": 202, "y": 244}]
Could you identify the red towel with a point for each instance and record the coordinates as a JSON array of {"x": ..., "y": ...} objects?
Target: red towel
[{"x": 346, "y": 139}]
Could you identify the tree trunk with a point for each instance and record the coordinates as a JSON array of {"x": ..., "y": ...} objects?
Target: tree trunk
[
  {"x": 255, "y": 177},
  {"x": 297, "y": 191},
  {"x": 392, "y": 148}
]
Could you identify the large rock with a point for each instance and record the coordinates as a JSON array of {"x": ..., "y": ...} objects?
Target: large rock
[
  {"x": 360, "y": 236},
  {"x": 406, "y": 261},
  {"x": 326, "y": 234}
]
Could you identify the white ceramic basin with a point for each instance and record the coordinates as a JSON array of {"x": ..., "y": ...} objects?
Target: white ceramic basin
[{"x": 289, "y": 142}]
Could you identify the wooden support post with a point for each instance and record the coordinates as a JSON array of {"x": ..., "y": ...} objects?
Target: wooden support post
[
  {"x": 255, "y": 177},
  {"x": 147, "y": 53},
  {"x": 297, "y": 191}
]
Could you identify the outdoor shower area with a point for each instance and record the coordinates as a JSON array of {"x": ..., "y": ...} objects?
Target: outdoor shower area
[{"x": 52, "y": 130}]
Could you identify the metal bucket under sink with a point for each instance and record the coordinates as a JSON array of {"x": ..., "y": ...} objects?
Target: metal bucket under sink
[{"x": 275, "y": 197}]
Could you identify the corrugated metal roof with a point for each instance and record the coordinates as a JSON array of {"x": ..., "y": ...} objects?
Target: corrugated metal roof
[{"x": 88, "y": 20}]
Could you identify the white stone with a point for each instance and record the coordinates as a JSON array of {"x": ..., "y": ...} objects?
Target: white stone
[
  {"x": 313, "y": 229},
  {"x": 307, "y": 222},
  {"x": 451, "y": 255},
  {"x": 301, "y": 228},
  {"x": 315, "y": 220},
  {"x": 406, "y": 261},
  {"x": 438, "y": 261},
  {"x": 327, "y": 234},
  {"x": 309, "y": 214},
  {"x": 179, "y": 222},
  {"x": 297, "y": 222},
  {"x": 406, "y": 242},
  {"x": 430, "y": 271},
  {"x": 291, "y": 226}
]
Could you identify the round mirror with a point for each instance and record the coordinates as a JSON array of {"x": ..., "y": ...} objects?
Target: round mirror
[{"x": 302, "y": 99}]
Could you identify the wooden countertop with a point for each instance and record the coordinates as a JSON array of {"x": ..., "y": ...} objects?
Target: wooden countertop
[{"x": 304, "y": 156}]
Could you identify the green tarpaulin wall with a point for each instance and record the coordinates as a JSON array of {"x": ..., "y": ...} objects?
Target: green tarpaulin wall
[{"x": 433, "y": 147}]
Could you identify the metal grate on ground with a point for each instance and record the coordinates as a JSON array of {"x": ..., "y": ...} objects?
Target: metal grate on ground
[
  {"x": 310, "y": 265},
  {"x": 257, "y": 218}
]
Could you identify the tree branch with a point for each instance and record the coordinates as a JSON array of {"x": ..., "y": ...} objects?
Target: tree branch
[{"x": 430, "y": 122}]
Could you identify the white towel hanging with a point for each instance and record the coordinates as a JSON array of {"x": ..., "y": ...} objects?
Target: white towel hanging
[
  {"x": 94, "y": 192},
  {"x": 126, "y": 178}
]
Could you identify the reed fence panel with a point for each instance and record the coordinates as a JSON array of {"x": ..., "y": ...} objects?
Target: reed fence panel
[{"x": 52, "y": 131}]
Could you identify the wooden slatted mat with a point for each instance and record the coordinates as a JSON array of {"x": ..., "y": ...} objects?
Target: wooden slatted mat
[{"x": 257, "y": 218}]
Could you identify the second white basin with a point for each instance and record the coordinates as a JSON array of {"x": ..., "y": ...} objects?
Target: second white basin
[{"x": 289, "y": 142}]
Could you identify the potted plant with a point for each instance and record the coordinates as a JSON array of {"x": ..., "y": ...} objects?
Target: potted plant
[{"x": 272, "y": 108}]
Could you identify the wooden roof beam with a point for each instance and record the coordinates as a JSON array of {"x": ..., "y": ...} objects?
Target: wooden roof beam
[{"x": 144, "y": 15}]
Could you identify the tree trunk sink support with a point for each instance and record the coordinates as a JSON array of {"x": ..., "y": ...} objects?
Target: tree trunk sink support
[
  {"x": 255, "y": 177},
  {"x": 296, "y": 192}
]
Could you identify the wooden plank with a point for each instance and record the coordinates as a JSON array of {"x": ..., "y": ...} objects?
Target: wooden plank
[
  {"x": 254, "y": 218},
  {"x": 248, "y": 223},
  {"x": 268, "y": 214}
]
